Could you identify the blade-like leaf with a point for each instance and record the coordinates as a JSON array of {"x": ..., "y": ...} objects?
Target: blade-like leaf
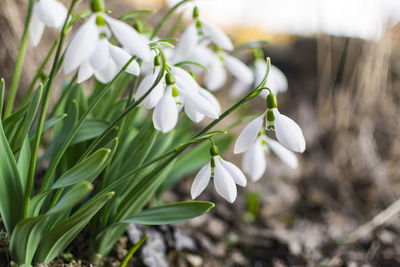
[
  {"x": 91, "y": 128},
  {"x": 61, "y": 235},
  {"x": 172, "y": 213},
  {"x": 11, "y": 190},
  {"x": 29, "y": 232},
  {"x": 87, "y": 170}
]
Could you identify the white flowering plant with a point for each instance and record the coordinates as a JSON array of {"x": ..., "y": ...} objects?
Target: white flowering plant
[{"x": 109, "y": 150}]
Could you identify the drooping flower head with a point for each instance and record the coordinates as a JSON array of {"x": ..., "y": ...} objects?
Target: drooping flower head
[
  {"x": 91, "y": 51},
  {"x": 226, "y": 175},
  {"x": 50, "y": 13},
  {"x": 288, "y": 133},
  {"x": 181, "y": 91}
]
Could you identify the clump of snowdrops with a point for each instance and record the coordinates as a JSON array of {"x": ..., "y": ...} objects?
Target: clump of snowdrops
[{"x": 114, "y": 148}]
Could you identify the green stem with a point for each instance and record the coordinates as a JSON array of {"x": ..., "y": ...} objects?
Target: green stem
[
  {"x": 127, "y": 110},
  {"x": 39, "y": 72},
  {"x": 246, "y": 98},
  {"x": 63, "y": 95},
  {"x": 47, "y": 93},
  {"x": 19, "y": 64},
  {"x": 166, "y": 17},
  {"x": 79, "y": 124},
  {"x": 2, "y": 88},
  {"x": 132, "y": 251}
]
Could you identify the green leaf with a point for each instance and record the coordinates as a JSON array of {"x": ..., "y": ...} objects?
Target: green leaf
[
  {"x": 48, "y": 124},
  {"x": 58, "y": 238},
  {"x": 29, "y": 232},
  {"x": 87, "y": 170},
  {"x": 91, "y": 128},
  {"x": 29, "y": 117},
  {"x": 172, "y": 213},
  {"x": 23, "y": 162},
  {"x": 11, "y": 189}
]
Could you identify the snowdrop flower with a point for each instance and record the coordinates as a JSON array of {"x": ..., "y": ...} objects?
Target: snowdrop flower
[
  {"x": 254, "y": 162},
  {"x": 226, "y": 175},
  {"x": 288, "y": 133},
  {"x": 90, "y": 51},
  {"x": 182, "y": 91},
  {"x": 276, "y": 81},
  {"x": 200, "y": 31},
  {"x": 50, "y": 13},
  {"x": 215, "y": 78}
]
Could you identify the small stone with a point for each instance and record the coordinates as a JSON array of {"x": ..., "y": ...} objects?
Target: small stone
[
  {"x": 216, "y": 228},
  {"x": 194, "y": 260}
]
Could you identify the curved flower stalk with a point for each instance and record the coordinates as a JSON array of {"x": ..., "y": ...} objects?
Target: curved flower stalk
[
  {"x": 226, "y": 176},
  {"x": 50, "y": 13},
  {"x": 91, "y": 52},
  {"x": 254, "y": 161},
  {"x": 181, "y": 91},
  {"x": 288, "y": 133},
  {"x": 277, "y": 80}
]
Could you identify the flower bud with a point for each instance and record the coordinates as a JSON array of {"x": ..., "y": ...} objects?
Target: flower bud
[
  {"x": 272, "y": 102},
  {"x": 97, "y": 5},
  {"x": 170, "y": 78}
]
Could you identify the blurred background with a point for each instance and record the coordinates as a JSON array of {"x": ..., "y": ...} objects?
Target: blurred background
[{"x": 340, "y": 207}]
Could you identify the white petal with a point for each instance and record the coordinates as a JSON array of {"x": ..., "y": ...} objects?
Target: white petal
[
  {"x": 165, "y": 115},
  {"x": 184, "y": 80},
  {"x": 215, "y": 78},
  {"x": 288, "y": 133},
  {"x": 155, "y": 95},
  {"x": 277, "y": 80},
  {"x": 129, "y": 38},
  {"x": 248, "y": 135},
  {"x": 254, "y": 163},
  {"x": 238, "y": 69},
  {"x": 223, "y": 182},
  {"x": 106, "y": 74},
  {"x": 199, "y": 103},
  {"x": 205, "y": 56},
  {"x": 211, "y": 98},
  {"x": 81, "y": 46},
  {"x": 85, "y": 72},
  {"x": 235, "y": 172},
  {"x": 101, "y": 55},
  {"x": 193, "y": 114},
  {"x": 217, "y": 36},
  {"x": 121, "y": 57},
  {"x": 186, "y": 44},
  {"x": 52, "y": 13},
  {"x": 260, "y": 69},
  {"x": 287, "y": 156},
  {"x": 36, "y": 28},
  {"x": 238, "y": 89},
  {"x": 152, "y": 99},
  {"x": 201, "y": 181}
]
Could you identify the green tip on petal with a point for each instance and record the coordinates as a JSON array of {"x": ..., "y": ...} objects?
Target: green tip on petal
[{"x": 100, "y": 21}]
